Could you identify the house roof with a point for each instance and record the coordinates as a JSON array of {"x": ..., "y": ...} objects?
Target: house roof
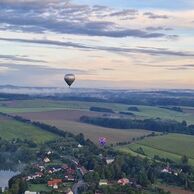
[{"x": 54, "y": 182}]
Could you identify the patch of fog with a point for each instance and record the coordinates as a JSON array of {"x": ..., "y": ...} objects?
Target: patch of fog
[
  {"x": 52, "y": 91},
  {"x": 33, "y": 91}
]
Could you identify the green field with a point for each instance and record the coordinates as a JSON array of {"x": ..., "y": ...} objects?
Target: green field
[
  {"x": 37, "y": 105},
  {"x": 42, "y": 105},
  {"x": 10, "y": 129},
  {"x": 39, "y": 188},
  {"x": 154, "y": 112},
  {"x": 93, "y": 132},
  {"x": 172, "y": 146}
]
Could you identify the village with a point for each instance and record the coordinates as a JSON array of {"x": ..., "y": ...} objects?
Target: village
[
  {"x": 57, "y": 176},
  {"x": 68, "y": 177}
]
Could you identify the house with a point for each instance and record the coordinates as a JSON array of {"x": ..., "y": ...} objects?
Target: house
[
  {"x": 55, "y": 183},
  {"x": 110, "y": 160},
  {"x": 33, "y": 177},
  {"x": 80, "y": 146},
  {"x": 54, "y": 170},
  {"x": 69, "y": 191},
  {"x": 41, "y": 168},
  {"x": 49, "y": 153},
  {"x": 46, "y": 160},
  {"x": 55, "y": 187},
  {"x": 70, "y": 178},
  {"x": 167, "y": 170},
  {"x": 103, "y": 182},
  {"x": 39, "y": 174},
  {"x": 123, "y": 181},
  {"x": 29, "y": 192}
]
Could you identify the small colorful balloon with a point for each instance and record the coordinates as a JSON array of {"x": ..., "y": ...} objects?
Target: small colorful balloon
[{"x": 102, "y": 141}]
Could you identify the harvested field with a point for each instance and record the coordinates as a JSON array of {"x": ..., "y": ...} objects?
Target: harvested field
[
  {"x": 72, "y": 115},
  {"x": 68, "y": 120}
]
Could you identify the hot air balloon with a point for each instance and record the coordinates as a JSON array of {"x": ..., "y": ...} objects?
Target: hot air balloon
[
  {"x": 102, "y": 141},
  {"x": 69, "y": 79}
]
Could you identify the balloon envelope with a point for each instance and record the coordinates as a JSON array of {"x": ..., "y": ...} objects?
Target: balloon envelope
[
  {"x": 102, "y": 141},
  {"x": 69, "y": 79}
]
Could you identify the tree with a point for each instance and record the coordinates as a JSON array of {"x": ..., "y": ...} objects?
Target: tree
[{"x": 184, "y": 160}]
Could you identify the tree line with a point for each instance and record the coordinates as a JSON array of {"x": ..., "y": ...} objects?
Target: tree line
[{"x": 158, "y": 125}]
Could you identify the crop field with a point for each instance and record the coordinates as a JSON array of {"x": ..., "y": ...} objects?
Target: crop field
[
  {"x": 172, "y": 146},
  {"x": 37, "y": 105},
  {"x": 70, "y": 115},
  {"x": 94, "y": 132},
  {"x": 69, "y": 121},
  {"x": 10, "y": 129},
  {"x": 65, "y": 115}
]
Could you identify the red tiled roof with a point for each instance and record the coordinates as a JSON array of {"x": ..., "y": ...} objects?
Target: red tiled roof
[{"x": 54, "y": 182}]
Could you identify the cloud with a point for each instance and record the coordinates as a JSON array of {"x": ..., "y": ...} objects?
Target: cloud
[
  {"x": 155, "y": 16},
  {"x": 108, "y": 69},
  {"x": 182, "y": 67},
  {"x": 158, "y": 28},
  {"x": 65, "y": 17},
  {"x": 39, "y": 69},
  {"x": 20, "y": 59},
  {"x": 28, "y": 4},
  {"x": 125, "y": 12},
  {"x": 119, "y": 50},
  {"x": 91, "y": 28},
  {"x": 170, "y": 67}
]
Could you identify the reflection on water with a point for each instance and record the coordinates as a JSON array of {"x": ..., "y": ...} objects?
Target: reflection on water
[{"x": 5, "y": 176}]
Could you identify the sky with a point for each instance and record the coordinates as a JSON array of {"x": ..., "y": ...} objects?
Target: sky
[{"x": 126, "y": 44}]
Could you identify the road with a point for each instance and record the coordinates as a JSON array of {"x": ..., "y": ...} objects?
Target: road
[{"x": 77, "y": 185}]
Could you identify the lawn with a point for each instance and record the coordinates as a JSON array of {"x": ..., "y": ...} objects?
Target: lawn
[
  {"x": 38, "y": 187},
  {"x": 10, "y": 129}
]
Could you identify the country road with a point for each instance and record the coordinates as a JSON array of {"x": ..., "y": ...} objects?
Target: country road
[{"x": 77, "y": 185}]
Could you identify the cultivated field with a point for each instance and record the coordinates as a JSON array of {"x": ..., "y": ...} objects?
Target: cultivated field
[
  {"x": 37, "y": 105},
  {"x": 70, "y": 115},
  {"x": 65, "y": 115},
  {"x": 69, "y": 121},
  {"x": 172, "y": 146},
  {"x": 94, "y": 132},
  {"x": 10, "y": 129}
]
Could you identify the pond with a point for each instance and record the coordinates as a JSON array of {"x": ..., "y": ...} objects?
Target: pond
[{"x": 5, "y": 175}]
